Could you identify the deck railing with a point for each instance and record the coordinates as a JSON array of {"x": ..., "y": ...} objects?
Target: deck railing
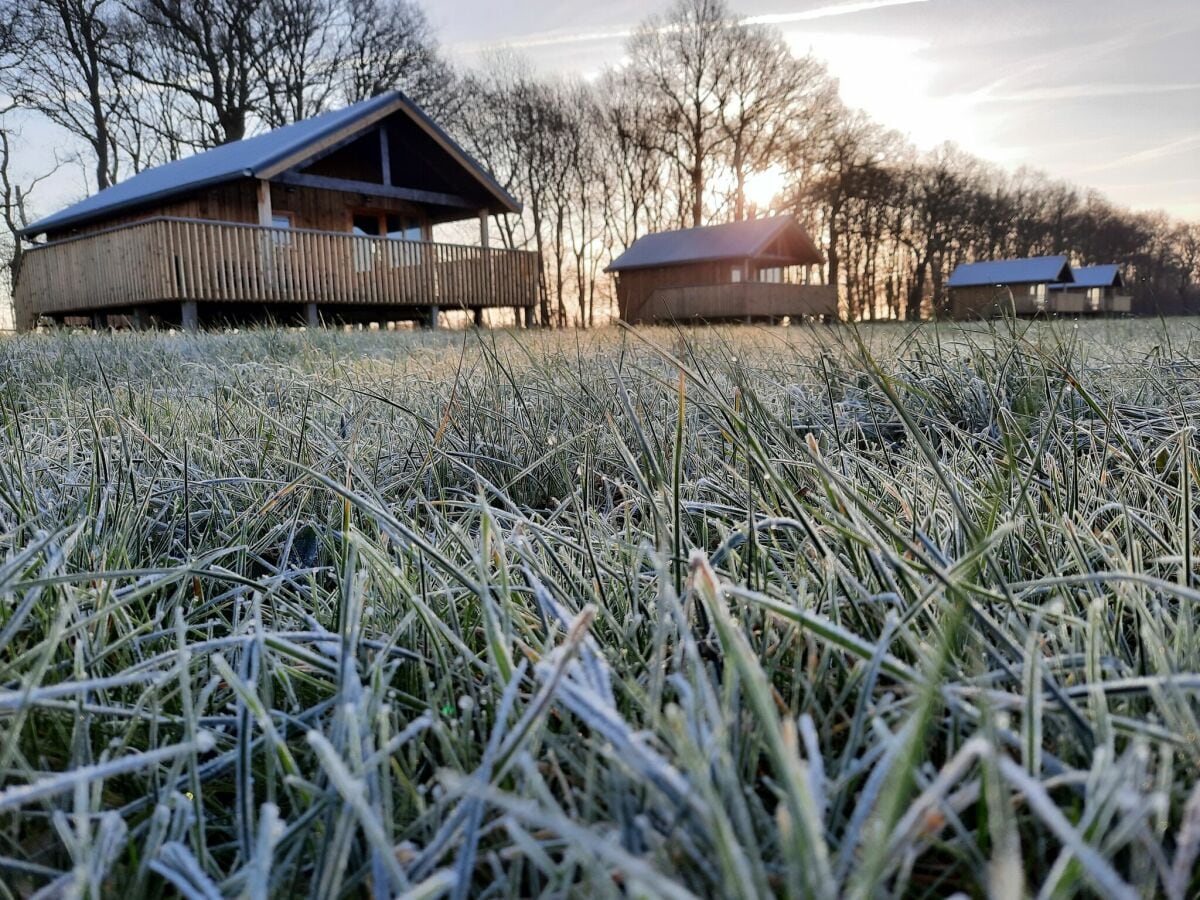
[{"x": 166, "y": 259}]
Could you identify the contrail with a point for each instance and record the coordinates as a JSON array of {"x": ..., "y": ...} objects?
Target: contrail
[
  {"x": 559, "y": 38},
  {"x": 829, "y": 12},
  {"x": 1088, "y": 91},
  {"x": 1149, "y": 154}
]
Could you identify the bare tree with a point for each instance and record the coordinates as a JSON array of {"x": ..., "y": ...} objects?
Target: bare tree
[
  {"x": 638, "y": 201},
  {"x": 67, "y": 75},
  {"x": 510, "y": 123},
  {"x": 771, "y": 94},
  {"x": 204, "y": 54},
  {"x": 388, "y": 44},
  {"x": 681, "y": 62},
  {"x": 14, "y": 211},
  {"x": 298, "y": 78}
]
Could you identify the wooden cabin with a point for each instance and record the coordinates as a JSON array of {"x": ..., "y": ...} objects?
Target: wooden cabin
[
  {"x": 1014, "y": 286},
  {"x": 1096, "y": 290},
  {"x": 754, "y": 270},
  {"x": 326, "y": 220}
]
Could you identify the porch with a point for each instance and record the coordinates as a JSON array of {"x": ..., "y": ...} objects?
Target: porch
[{"x": 188, "y": 272}]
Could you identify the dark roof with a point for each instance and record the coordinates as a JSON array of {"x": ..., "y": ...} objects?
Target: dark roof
[
  {"x": 737, "y": 240},
  {"x": 249, "y": 158},
  {"x": 1093, "y": 277},
  {"x": 1035, "y": 270}
]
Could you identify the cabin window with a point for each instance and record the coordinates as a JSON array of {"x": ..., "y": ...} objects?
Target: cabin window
[
  {"x": 771, "y": 276},
  {"x": 735, "y": 275},
  {"x": 364, "y": 225},
  {"x": 395, "y": 227},
  {"x": 282, "y": 222},
  {"x": 403, "y": 228},
  {"x": 1094, "y": 295}
]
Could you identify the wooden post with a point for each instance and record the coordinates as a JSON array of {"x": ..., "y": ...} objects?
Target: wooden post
[
  {"x": 189, "y": 316},
  {"x": 385, "y": 157},
  {"x": 516, "y": 317},
  {"x": 312, "y": 316},
  {"x": 139, "y": 319},
  {"x": 485, "y": 257},
  {"x": 266, "y": 218},
  {"x": 265, "y": 215},
  {"x": 529, "y": 311},
  {"x": 433, "y": 317},
  {"x": 478, "y": 316},
  {"x": 99, "y": 321}
]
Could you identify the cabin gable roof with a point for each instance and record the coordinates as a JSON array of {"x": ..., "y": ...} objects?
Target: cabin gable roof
[
  {"x": 1087, "y": 277},
  {"x": 269, "y": 156},
  {"x": 1034, "y": 270},
  {"x": 781, "y": 238}
]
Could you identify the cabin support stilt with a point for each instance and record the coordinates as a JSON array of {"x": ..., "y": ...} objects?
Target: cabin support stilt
[
  {"x": 312, "y": 315},
  {"x": 99, "y": 321},
  {"x": 477, "y": 316},
  {"x": 189, "y": 316},
  {"x": 434, "y": 313},
  {"x": 529, "y": 317},
  {"x": 486, "y": 257},
  {"x": 139, "y": 319}
]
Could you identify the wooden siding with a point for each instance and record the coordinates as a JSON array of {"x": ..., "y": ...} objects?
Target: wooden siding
[
  {"x": 990, "y": 301},
  {"x": 237, "y": 202},
  {"x": 175, "y": 259},
  {"x": 747, "y": 299},
  {"x": 324, "y": 210},
  {"x": 635, "y": 287}
]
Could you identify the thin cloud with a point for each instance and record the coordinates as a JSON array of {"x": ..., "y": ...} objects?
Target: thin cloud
[
  {"x": 1087, "y": 91},
  {"x": 829, "y": 12},
  {"x": 1150, "y": 154},
  {"x": 599, "y": 35}
]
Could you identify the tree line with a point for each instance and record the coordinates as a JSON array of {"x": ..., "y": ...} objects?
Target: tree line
[{"x": 703, "y": 106}]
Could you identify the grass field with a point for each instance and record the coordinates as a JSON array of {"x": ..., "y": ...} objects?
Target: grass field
[{"x": 729, "y": 613}]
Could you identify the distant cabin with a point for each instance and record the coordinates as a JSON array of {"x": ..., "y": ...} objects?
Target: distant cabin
[
  {"x": 328, "y": 219},
  {"x": 1016, "y": 286},
  {"x": 1096, "y": 289},
  {"x": 752, "y": 270}
]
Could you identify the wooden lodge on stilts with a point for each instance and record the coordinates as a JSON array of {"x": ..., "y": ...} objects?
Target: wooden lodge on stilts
[
  {"x": 754, "y": 270},
  {"x": 326, "y": 220}
]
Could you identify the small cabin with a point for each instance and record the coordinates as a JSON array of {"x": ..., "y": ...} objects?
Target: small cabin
[
  {"x": 1014, "y": 286},
  {"x": 1098, "y": 290},
  {"x": 326, "y": 220},
  {"x": 758, "y": 269}
]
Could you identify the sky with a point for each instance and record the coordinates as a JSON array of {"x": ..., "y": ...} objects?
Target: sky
[{"x": 1105, "y": 93}]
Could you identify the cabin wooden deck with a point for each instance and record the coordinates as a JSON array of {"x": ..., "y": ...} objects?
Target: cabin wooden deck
[
  {"x": 741, "y": 300},
  {"x": 186, "y": 271}
]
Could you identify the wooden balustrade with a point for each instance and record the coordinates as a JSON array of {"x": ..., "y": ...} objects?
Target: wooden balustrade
[
  {"x": 743, "y": 299},
  {"x": 170, "y": 259}
]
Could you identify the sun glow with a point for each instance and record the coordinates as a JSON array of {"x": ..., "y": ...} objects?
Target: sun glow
[{"x": 764, "y": 188}]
